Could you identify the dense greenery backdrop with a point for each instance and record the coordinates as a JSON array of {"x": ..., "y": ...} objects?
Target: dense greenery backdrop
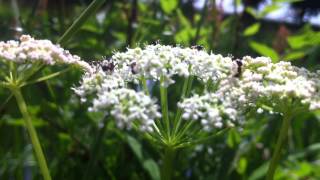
[{"x": 67, "y": 131}]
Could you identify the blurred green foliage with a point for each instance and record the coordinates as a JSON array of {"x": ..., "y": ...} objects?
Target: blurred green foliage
[{"x": 67, "y": 131}]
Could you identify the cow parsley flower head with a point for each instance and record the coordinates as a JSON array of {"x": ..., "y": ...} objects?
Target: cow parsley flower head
[
  {"x": 92, "y": 83},
  {"x": 108, "y": 91},
  {"x": 127, "y": 107},
  {"x": 30, "y": 50},
  {"x": 278, "y": 86},
  {"x": 210, "y": 110},
  {"x": 156, "y": 61}
]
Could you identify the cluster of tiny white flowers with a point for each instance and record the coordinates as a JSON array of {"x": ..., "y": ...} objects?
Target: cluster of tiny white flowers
[
  {"x": 159, "y": 62},
  {"x": 29, "y": 50},
  {"x": 210, "y": 110},
  {"x": 107, "y": 93},
  {"x": 98, "y": 81},
  {"x": 127, "y": 107},
  {"x": 156, "y": 61},
  {"x": 276, "y": 85}
]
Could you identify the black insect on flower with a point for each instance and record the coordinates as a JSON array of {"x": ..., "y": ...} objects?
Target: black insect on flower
[
  {"x": 197, "y": 47},
  {"x": 133, "y": 67},
  {"x": 155, "y": 42},
  {"x": 108, "y": 66},
  {"x": 239, "y": 63}
]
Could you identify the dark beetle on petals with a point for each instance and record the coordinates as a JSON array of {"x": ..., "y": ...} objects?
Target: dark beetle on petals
[{"x": 239, "y": 63}]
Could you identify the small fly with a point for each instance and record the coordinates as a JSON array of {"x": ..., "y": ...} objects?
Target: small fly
[{"x": 197, "y": 47}]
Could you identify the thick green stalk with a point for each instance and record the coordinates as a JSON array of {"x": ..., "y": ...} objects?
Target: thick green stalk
[
  {"x": 280, "y": 141},
  {"x": 167, "y": 166},
  {"x": 164, "y": 106},
  {"x": 91, "y": 9},
  {"x": 32, "y": 133}
]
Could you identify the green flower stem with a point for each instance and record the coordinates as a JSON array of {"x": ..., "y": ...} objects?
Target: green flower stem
[
  {"x": 32, "y": 132},
  {"x": 46, "y": 77},
  {"x": 280, "y": 141},
  {"x": 185, "y": 93},
  {"x": 144, "y": 85},
  {"x": 91, "y": 9},
  {"x": 164, "y": 106},
  {"x": 89, "y": 174},
  {"x": 167, "y": 166}
]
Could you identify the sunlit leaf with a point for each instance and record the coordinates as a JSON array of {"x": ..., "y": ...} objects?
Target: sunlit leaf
[
  {"x": 294, "y": 56},
  {"x": 168, "y": 5},
  {"x": 304, "y": 40},
  {"x": 251, "y": 30},
  {"x": 269, "y": 9},
  {"x": 238, "y": 2},
  {"x": 233, "y": 138},
  {"x": 36, "y": 122},
  {"x": 264, "y": 50},
  {"x": 242, "y": 165},
  {"x": 252, "y": 12}
]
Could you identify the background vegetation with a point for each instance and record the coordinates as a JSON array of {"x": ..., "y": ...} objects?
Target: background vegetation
[{"x": 67, "y": 131}]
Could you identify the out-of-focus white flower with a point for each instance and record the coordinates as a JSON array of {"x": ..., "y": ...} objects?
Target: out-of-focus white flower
[{"x": 30, "y": 50}]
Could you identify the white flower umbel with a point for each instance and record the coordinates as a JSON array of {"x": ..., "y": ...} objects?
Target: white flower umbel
[
  {"x": 19, "y": 63},
  {"x": 99, "y": 81},
  {"x": 279, "y": 86},
  {"x": 162, "y": 63},
  {"x": 276, "y": 87},
  {"x": 210, "y": 110},
  {"x": 127, "y": 107},
  {"x": 108, "y": 91},
  {"x": 30, "y": 50},
  {"x": 155, "y": 61}
]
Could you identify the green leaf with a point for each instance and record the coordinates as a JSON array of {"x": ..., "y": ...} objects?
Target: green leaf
[
  {"x": 260, "y": 172},
  {"x": 238, "y": 3},
  {"x": 169, "y": 5},
  {"x": 294, "y": 55},
  {"x": 304, "y": 40},
  {"x": 149, "y": 164},
  {"x": 242, "y": 165},
  {"x": 269, "y": 9},
  {"x": 36, "y": 122},
  {"x": 298, "y": 41},
  {"x": 264, "y": 50},
  {"x": 64, "y": 136},
  {"x": 152, "y": 168},
  {"x": 252, "y": 12},
  {"x": 183, "y": 20},
  {"x": 135, "y": 146},
  {"x": 252, "y": 29},
  {"x": 233, "y": 138}
]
